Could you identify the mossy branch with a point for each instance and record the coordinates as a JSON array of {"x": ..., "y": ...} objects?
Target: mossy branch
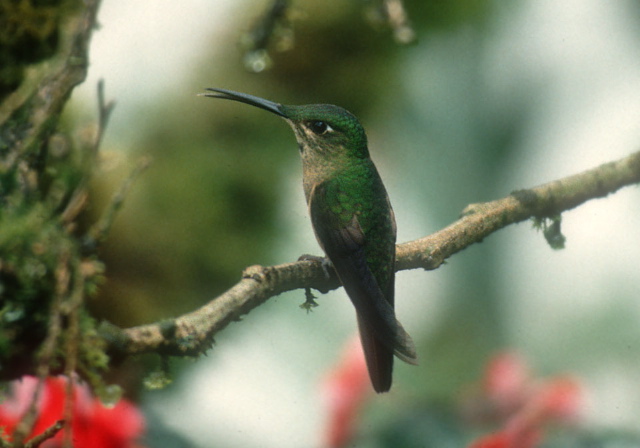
[
  {"x": 192, "y": 333},
  {"x": 44, "y": 328}
]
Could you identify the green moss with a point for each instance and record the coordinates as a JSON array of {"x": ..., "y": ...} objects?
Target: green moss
[{"x": 29, "y": 33}]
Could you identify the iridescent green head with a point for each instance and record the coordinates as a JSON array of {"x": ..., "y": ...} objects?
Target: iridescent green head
[{"x": 322, "y": 130}]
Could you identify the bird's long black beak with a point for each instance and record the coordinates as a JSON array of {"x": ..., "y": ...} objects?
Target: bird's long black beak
[{"x": 245, "y": 98}]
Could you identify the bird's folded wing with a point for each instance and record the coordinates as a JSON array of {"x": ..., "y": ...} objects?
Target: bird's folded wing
[{"x": 344, "y": 244}]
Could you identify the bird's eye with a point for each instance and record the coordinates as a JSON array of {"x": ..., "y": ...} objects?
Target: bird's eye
[{"x": 319, "y": 127}]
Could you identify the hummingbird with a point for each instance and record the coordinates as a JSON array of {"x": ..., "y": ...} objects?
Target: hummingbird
[{"x": 352, "y": 220}]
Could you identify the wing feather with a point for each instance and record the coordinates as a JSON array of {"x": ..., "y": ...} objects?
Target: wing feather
[{"x": 345, "y": 245}]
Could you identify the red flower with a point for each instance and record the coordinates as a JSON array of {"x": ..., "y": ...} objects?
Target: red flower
[
  {"x": 346, "y": 389},
  {"x": 497, "y": 440},
  {"x": 505, "y": 382},
  {"x": 93, "y": 425},
  {"x": 508, "y": 439},
  {"x": 524, "y": 406}
]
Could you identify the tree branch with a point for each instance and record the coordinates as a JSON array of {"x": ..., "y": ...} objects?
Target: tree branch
[
  {"x": 192, "y": 333},
  {"x": 36, "y": 105},
  {"x": 480, "y": 220}
]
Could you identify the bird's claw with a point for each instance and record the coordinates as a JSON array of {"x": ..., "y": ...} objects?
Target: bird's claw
[
  {"x": 325, "y": 263},
  {"x": 309, "y": 302}
]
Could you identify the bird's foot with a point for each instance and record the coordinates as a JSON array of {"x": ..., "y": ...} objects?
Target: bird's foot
[
  {"x": 309, "y": 302},
  {"x": 327, "y": 268},
  {"x": 326, "y": 264}
]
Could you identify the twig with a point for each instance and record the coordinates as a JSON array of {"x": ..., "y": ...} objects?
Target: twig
[
  {"x": 24, "y": 428},
  {"x": 269, "y": 26},
  {"x": 105, "y": 108},
  {"x": 100, "y": 229},
  {"x": 72, "y": 310},
  {"x": 48, "y": 433},
  {"x": 392, "y": 14},
  {"x": 192, "y": 333},
  {"x": 80, "y": 195},
  {"x": 399, "y": 21},
  {"x": 262, "y": 32}
]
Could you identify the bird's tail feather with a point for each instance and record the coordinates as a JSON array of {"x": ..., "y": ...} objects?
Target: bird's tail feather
[{"x": 378, "y": 356}]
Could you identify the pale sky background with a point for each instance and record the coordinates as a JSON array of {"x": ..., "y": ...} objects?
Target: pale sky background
[{"x": 259, "y": 391}]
